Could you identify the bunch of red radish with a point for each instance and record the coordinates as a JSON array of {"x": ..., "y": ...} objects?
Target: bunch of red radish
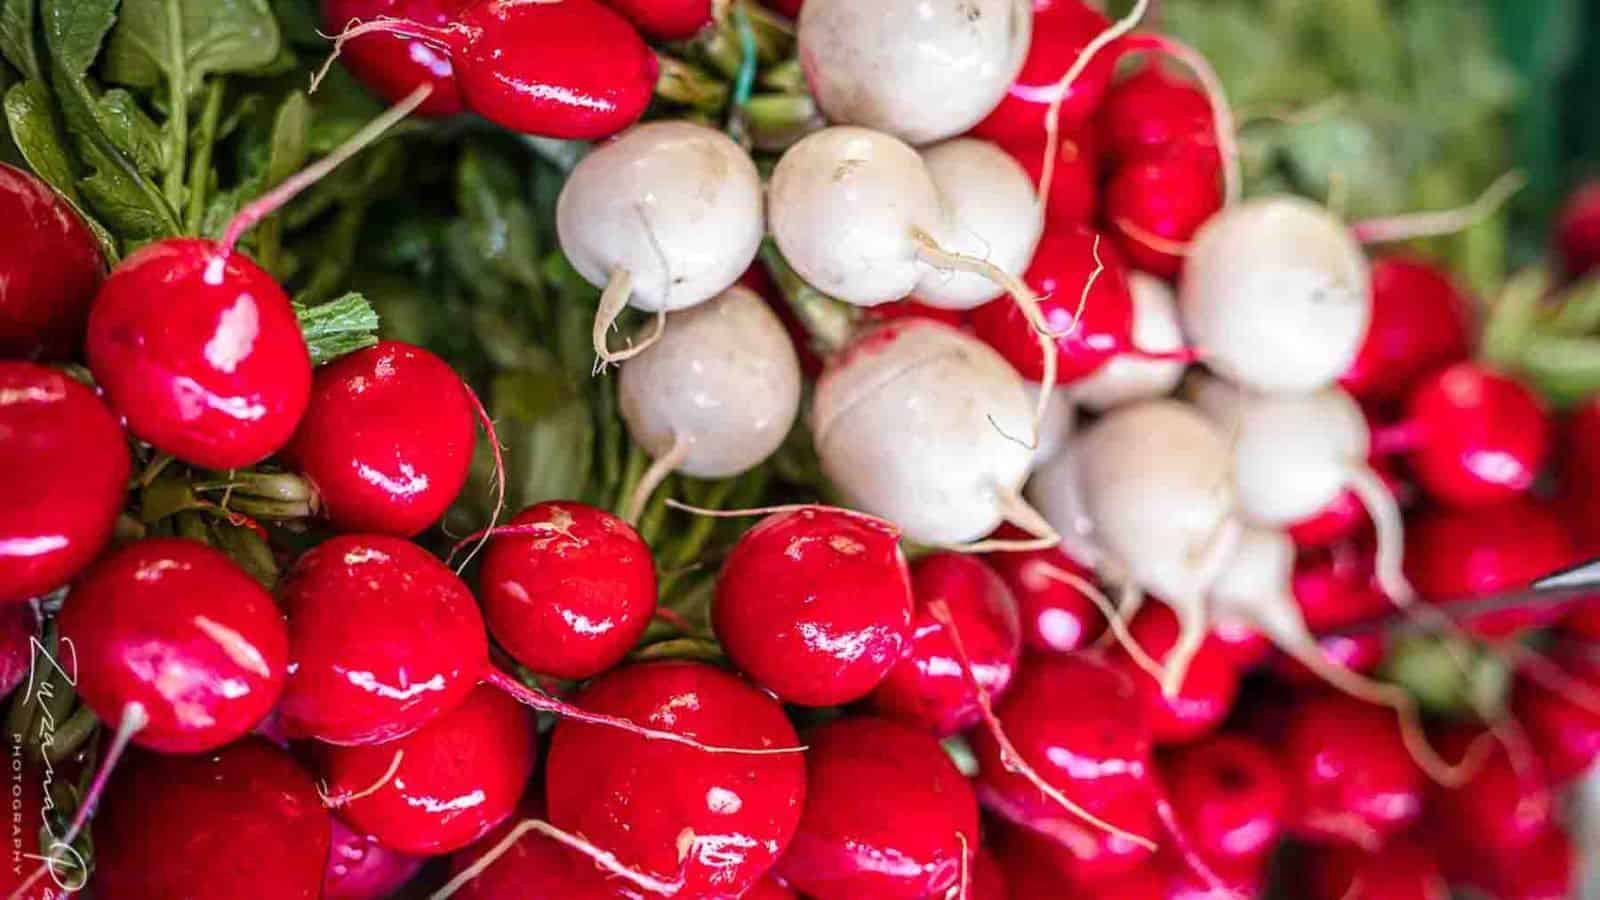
[{"x": 982, "y": 723}]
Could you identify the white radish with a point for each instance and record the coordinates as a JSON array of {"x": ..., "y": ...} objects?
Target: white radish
[
  {"x": 990, "y": 211},
  {"x": 1128, "y": 377},
  {"x": 921, "y": 424},
  {"x": 1275, "y": 295},
  {"x": 664, "y": 217},
  {"x": 716, "y": 396},
  {"x": 1054, "y": 490},
  {"x": 922, "y": 70},
  {"x": 1055, "y": 428}
]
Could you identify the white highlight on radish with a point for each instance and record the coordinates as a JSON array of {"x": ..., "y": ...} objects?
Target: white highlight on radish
[
  {"x": 1276, "y": 295},
  {"x": 1129, "y": 378},
  {"x": 922, "y": 70},
  {"x": 989, "y": 211},
  {"x": 923, "y": 425},
  {"x": 664, "y": 217}
]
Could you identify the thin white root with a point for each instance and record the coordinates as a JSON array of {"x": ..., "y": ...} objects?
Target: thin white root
[
  {"x": 1385, "y": 512},
  {"x": 1221, "y": 111},
  {"x": 604, "y": 859},
  {"x": 342, "y": 800},
  {"x": 1116, "y": 624},
  {"x": 1441, "y": 222},
  {"x": 663, "y": 466},
  {"x": 1149, "y": 238},
  {"x": 1052, "y": 119},
  {"x": 1016, "y": 511},
  {"x": 773, "y": 510},
  {"x": 613, "y": 300},
  {"x": 963, "y": 890},
  {"x": 439, "y": 36},
  {"x": 1191, "y": 635}
]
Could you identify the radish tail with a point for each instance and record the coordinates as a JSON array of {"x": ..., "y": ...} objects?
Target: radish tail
[
  {"x": 332, "y": 802},
  {"x": 1116, "y": 621},
  {"x": 1191, "y": 635},
  {"x": 603, "y": 859},
  {"x": 612, "y": 301},
  {"x": 1187, "y": 854},
  {"x": 1149, "y": 238},
  {"x": 448, "y": 38},
  {"x": 537, "y": 529},
  {"x": 1385, "y": 512},
  {"x": 1441, "y": 222},
  {"x": 1221, "y": 110},
  {"x": 663, "y": 466},
  {"x": 545, "y": 703},
  {"x": 773, "y": 510},
  {"x": 1052, "y": 119},
  {"x": 963, "y": 889},
  {"x": 487, "y": 422},
  {"x": 1016, "y": 511}
]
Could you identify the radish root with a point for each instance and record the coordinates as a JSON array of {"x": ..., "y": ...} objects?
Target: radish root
[
  {"x": 774, "y": 510},
  {"x": 963, "y": 889},
  {"x": 1016, "y": 511},
  {"x": 444, "y": 37},
  {"x": 1052, "y": 119},
  {"x": 1187, "y": 854},
  {"x": 663, "y": 466},
  {"x": 1149, "y": 238},
  {"x": 499, "y": 476},
  {"x": 603, "y": 859},
  {"x": 1116, "y": 622},
  {"x": 1385, "y": 512},
  {"x": 613, "y": 300},
  {"x": 1441, "y": 222},
  {"x": 1221, "y": 111},
  {"x": 333, "y": 802}
]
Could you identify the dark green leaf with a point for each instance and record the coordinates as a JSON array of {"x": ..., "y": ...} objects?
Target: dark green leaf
[
  {"x": 75, "y": 29},
  {"x": 17, "y": 43},
  {"x": 490, "y": 195},
  {"x": 183, "y": 41},
  {"x": 131, "y": 131},
  {"x": 286, "y": 153},
  {"x": 33, "y": 129},
  {"x": 338, "y": 327},
  {"x": 1567, "y": 370}
]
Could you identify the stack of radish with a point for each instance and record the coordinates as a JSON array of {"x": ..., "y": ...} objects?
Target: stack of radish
[{"x": 925, "y": 693}]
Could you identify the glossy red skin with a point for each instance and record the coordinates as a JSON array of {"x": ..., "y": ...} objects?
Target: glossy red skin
[
  {"x": 1456, "y": 555},
  {"x": 988, "y": 879},
  {"x": 52, "y": 267},
  {"x": 573, "y": 70},
  {"x": 1338, "y": 586},
  {"x": 1060, "y": 269},
  {"x": 1241, "y": 644},
  {"x": 1402, "y": 870},
  {"x": 461, "y": 774},
  {"x": 665, "y": 20},
  {"x": 1058, "y": 36},
  {"x": 634, "y": 797},
  {"x": 1230, "y": 794},
  {"x": 1151, "y": 112},
  {"x": 388, "y": 610},
  {"x": 929, "y": 687},
  {"x": 1565, "y": 734},
  {"x": 815, "y": 605},
  {"x": 884, "y": 806},
  {"x": 1095, "y": 749},
  {"x": 216, "y": 374},
  {"x": 1349, "y": 774},
  {"x": 1208, "y": 689},
  {"x": 380, "y": 461},
  {"x": 1544, "y": 870},
  {"x": 239, "y": 823},
  {"x": 1168, "y": 197},
  {"x": 392, "y": 65},
  {"x": 1498, "y": 810},
  {"x": 1340, "y": 520},
  {"x": 534, "y": 868},
  {"x": 1420, "y": 322},
  {"x": 1056, "y": 617},
  {"x": 1075, "y": 185},
  {"x": 1579, "y": 496},
  {"x": 362, "y": 868},
  {"x": 18, "y": 626},
  {"x": 572, "y": 601},
  {"x": 178, "y": 628},
  {"x": 911, "y": 309},
  {"x": 1577, "y": 233},
  {"x": 770, "y": 888},
  {"x": 67, "y": 465},
  {"x": 1482, "y": 437}
]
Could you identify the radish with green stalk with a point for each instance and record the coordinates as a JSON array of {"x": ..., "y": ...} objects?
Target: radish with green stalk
[{"x": 664, "y": 217}]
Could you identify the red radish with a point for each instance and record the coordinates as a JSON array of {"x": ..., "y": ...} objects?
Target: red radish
[
  {"x": 1345, "y": 519},
  {"x": 1055, "y": 615},
  {"x": 990, "y": 212},
  {"x": 1059, "y": 35},
  {"x": 53, "y": 268},
  {"x": 1336, "y": 587},
  {"x": 1420, "y": 322},
  {"x": 711, "y": 824},
  {"x": 69, "y": 465},
  {"x": 1566, "y": 734},
  {"x": 533, "y": 867},
  {"x": 1075, "y": 187},
  {"x": 1157, "y": 368},
  {"x": 922, "y": 73},
  {"x": 1401, "y": 870},
  {"x": 378, "y": 460},
  {"x": 664, "y": 217},
  {"x": 1351, "y": 779},
  {"x": 246, "y": 819},
  {"x": 988, "y": 879},
  {"x": 958, "y": 404},
  {"x": 1476, "y": 437},
  {"x": 362, "y": 868},
  {"x": 1208, "y": 690},
  {"x": 1362, "y": 654},
  {"x": 218, "y": 374},
  {"x": 928, "y": 687},
  {"x": 567, "y": 589},
  {"x": 392, "y": 66},
  {"x": 911, "y": 309},
  {"x": 1499, "y": 809},
  {"x": 19, "y": 626},
  {"x": 815, "y": 604},
  {"x": 442, "y": 787},
  {"x": 666, "y": 20},
  {"x": 573, "y": 69},
  {"x": 1578, "y": 231},
  {"x": 1580, "y": 474},
  {"x": 1155, "y": 206},
  {"x": 770, "y": 888},
  {"x": 1229, "y": 792},
  {"x": 1242, "y": 644},
  {"x": 1151, "y": 113},
  {"x": 1545, "y": 870},
  {"x": 887, "y": 815},
  {"x": 1276, "y": 295}
]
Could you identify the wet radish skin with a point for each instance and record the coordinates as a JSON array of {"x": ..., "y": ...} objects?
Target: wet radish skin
[
  {"x": 1167, "y": 199},
  {"x": 534, "y": 868},
  {"x": 1229, "y": 792},
  {"x": 1565, "y": 734},
  {"x": 1402, "y": 870},
  {"x": 392, "y": 66},
  {"x": 242, "y": 822},
  {"x": 1351, "y": 779},
  {"x": 68, "y": 464},
  {"x": 1058, "y": 36},
  {"x": 1151, "y": 113},
  {"x": 665, "y": 20},
  {"x": 217, "y": 374},
  {"x": 1421, "y": 321},
  {"x": 1209, "y": 688},
  {"x": 1075, "y": 186},
  {"x": 178, "y": 628},
  {"x": 53, "y": 268},
  {"x": 1498, "y": 809},
  {"x": 360, "y": 867},
  {"x": 383, "y": 638},
  {"x": 1483, "y": 437},
  {"x": 1055, "y": 617}
]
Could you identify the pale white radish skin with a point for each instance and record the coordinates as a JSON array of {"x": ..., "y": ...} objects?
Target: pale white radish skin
[
  {"x": 664, "y": 217},
  {"x": 716, "y": 396},
  {"x": 1128, "y": 378},
  {"x": 923, "y": 425},
  {"x": 922, "y": 70},
  {"x": 1293, "y": 454},
  {"x": 1055, "y": 428},
  {"x": 989, "y": 211},
  {"x": 1054, "y": 491},
  {"x": 1154, "y": 479},
  {"x": 1275, "y": 295}
]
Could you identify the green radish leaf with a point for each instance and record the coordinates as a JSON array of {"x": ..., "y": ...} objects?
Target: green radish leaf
[
  {"x": 499, "y": 223},
  {"x": 33, "y": 129},
  {"x": 1577, "y": 311},
  {"x": 183, "y": 41},
  {"x": 338, "y": 327},
  {"x": 131, "y": 131},
  {"x": 1513, "y": 318},
  {"x": 17, "y": 45},
  {"x": 1566, "y": 369},
  {"x": 286, "y": 153}
]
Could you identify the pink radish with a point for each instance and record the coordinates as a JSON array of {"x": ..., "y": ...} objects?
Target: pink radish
[
  {"x": 1055, "y": 616},
  {"x": 1155, "y": 206},
  {"x": 990, "y": 212},
  {"x": 1401, "y": 870},
  {"x": 1566, "y": 734},
  {"x": 1075, "y": 188},
  {"x": 1209, "y": 688},
  {"x": 441, "y": 787},
  {"x": 928, "y": 688},
  {"x": 246, "y": 818},
  {"x": 567, "y": 589},
  {"x": 1420, "y": 322},
  {"x": 715, "y": 396},
  {"x": 922, "y": 73},
  {"x": 572, "y": 69},
  {"x": 53, "y": 268},
  {"x": 887, "y": 814},
  {"x": 965, "y": 414},
  {"x": 376, "y": 461},
  {"x": 1130, "y": 377},
  {"x": 392, "y": 66},
  {"x": 1350, "y": 777},
  {"x": 664, "y": 217},
  {"x": 70, "y": 464},
  {"x": 1476, "y": 437},
  {"x": 667, "y": 20},
  {"x": 815, "y": 604},
  {"x": 1577, "y": 232},
  {"x": 1229, "y": 792},
  {"x": 362, "y": 868},
  {"x": 704, "y": 825},
  {"x": 1151, "y": 113},
  {"x": 1276, "y": 295},
  {"x": 1059, "y": 35}
]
